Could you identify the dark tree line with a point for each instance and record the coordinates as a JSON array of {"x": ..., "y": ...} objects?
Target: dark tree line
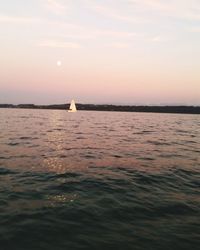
[{"x": 122, "y": 108}]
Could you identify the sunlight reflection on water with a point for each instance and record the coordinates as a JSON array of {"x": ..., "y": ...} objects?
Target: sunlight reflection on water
[{"x": 59, "y": 141}]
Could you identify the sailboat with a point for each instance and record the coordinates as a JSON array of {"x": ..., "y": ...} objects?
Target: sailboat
[{"x": 72, "y": 107}]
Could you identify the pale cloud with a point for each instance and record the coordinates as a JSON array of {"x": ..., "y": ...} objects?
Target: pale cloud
[
  {"x": 86, "y": 33},
  {"x": 153, "y": 4},
  {"x": 69, "y": 30},
  {"x": 181, "y": 9},
  {"x": 43, "y": 22},
  {"x": 195, "y": 29},
  {"x": 156, "y": 39},
  {"x": 120, "y": 45},
  {"x": 18, "y": 19},
  {"x": 79, "y": 36},
  {"x": 55, "y": 6},
  {"x": 58, "y": 44},
  {"x": 120, "y": 34},
  {"x": 112, "y": 13}
]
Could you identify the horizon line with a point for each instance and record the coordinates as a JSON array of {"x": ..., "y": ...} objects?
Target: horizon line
[{"x": 110, "y": 104}]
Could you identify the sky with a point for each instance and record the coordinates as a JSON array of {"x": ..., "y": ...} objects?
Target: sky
[{"x": 100, "y": 51}]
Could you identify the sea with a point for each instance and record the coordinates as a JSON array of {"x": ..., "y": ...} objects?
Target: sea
[{"x": 95, "y": 180}]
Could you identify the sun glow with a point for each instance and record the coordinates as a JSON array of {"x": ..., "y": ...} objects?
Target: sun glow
[{"x": 59, "y": 63}]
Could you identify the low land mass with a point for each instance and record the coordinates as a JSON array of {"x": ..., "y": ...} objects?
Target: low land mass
[{"x": 103, "y": 107}]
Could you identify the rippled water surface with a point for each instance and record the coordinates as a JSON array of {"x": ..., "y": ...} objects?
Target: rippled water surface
[{"x": 99, "y": 180}]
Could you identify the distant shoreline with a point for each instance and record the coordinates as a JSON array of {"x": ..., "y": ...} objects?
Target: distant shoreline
[{"x": 122, "y": 108}]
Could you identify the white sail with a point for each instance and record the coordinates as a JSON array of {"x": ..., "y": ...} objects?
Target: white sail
[{"x": 72, "y": 107}]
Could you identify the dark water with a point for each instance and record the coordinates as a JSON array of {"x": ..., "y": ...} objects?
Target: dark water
[{"x": 99, "y": 180}]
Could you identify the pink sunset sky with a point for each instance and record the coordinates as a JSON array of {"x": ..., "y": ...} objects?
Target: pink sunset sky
[{"x": 108, "y": 51}]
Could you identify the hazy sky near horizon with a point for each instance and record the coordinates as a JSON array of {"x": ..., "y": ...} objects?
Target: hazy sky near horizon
[{"x": 100, "y": 51}]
